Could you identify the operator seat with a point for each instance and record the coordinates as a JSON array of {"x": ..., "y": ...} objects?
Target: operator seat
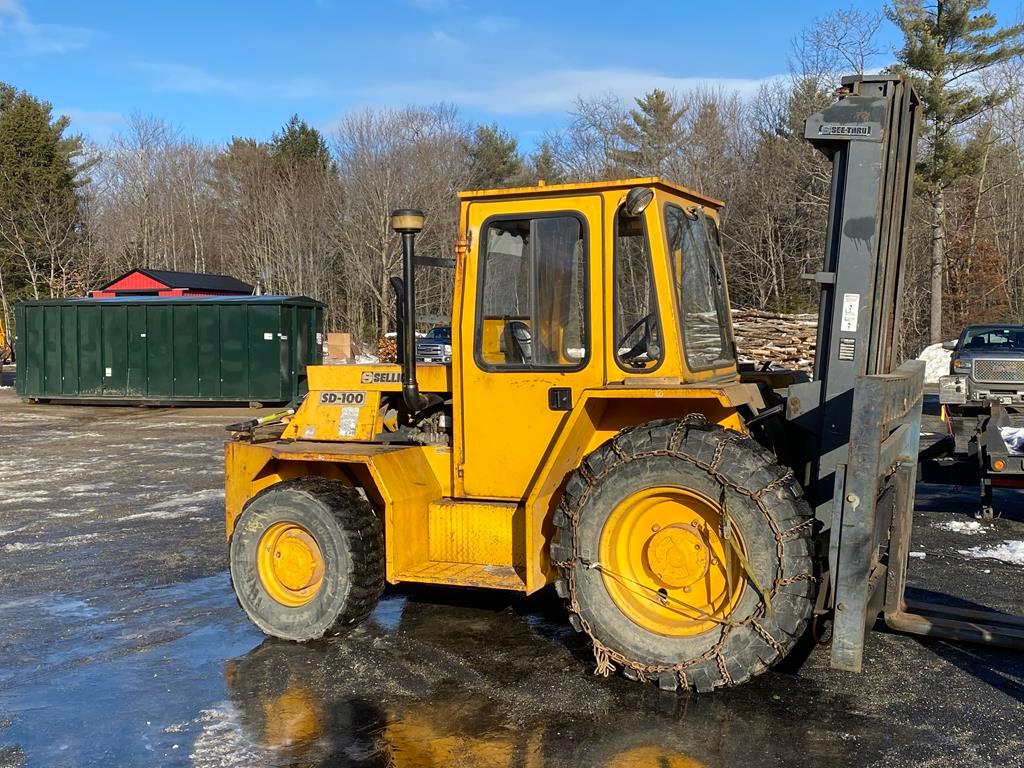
[{"x": 518, "y": 342}]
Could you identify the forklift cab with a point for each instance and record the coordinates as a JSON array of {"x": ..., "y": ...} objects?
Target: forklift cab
[{"x": 573, "y": 288}]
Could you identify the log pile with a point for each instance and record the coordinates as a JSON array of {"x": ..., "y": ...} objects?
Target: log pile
[
  {"x": 787, "y": 340},
  {"x": 387, "y": 349}
]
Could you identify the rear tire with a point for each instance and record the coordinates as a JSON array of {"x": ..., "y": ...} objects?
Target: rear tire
[
  {"x": 675, "y": 646},
  {"x": 340, "y": 543}
]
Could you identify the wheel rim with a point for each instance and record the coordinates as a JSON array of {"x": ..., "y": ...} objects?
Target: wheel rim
[
  {"x": 664, "y": 562},
  {"x": 290, "y": 564}
]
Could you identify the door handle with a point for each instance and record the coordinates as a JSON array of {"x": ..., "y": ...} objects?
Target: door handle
[{"x": 560, "y": 399}]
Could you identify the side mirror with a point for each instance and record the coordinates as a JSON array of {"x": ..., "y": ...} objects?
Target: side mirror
[
  {"x": 637, "y": 200},
  {"x": 949, "y": 345}
]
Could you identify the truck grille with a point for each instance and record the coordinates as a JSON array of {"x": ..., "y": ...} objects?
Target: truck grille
[
  {"x": 429, "y": 350},
  {"x": 998, "y": 371}
]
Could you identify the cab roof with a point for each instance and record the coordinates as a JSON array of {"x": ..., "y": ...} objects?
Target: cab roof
[{"x": 554, "y": 190}]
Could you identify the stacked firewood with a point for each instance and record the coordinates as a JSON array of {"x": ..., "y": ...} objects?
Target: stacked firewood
[
  {"x": 387, "y": 349},
  {"x": 787, "y": 340}
]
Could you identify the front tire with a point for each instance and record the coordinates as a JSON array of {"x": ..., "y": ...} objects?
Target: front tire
[
  {"x": 307, "y": 558},
  {"x": 673, "y": 539}
]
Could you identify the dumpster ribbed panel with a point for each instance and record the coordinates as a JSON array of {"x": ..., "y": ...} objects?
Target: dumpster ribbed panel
[{"x": 168, "y": 350}]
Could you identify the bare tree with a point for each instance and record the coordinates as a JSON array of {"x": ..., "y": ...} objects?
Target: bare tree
[
  {"x": 843, "y": 42},
  {"x": 390, "y": 159},
  {"x": 584, "y": 148}
]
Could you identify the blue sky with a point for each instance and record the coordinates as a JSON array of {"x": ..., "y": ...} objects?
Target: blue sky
[{"x": 218, "y": 69}]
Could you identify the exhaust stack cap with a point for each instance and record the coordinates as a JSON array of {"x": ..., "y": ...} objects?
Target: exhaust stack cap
[{"x": 407, "y": 220}]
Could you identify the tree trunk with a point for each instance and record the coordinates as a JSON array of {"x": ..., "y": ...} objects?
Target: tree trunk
[{"x": 938, "y": 259}]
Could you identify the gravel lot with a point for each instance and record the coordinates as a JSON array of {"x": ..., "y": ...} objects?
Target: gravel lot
[{"x": 122, "y": 644}]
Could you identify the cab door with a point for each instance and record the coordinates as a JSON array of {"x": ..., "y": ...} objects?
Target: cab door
[{"x": 530, "y": 336}]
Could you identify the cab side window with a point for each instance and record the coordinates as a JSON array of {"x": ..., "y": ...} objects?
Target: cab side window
[
  {"x": 532, "y": 299},
  {"x": 637, "y": 325},
  {"x": 700, "y": 288}
]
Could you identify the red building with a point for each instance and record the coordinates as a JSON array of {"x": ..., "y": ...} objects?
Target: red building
[{"x": 161, "y": 282}]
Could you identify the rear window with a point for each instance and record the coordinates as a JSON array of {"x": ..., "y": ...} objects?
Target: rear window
[
  {"x": 994, "y": 339},
  {"x": 439, "y": 334}
]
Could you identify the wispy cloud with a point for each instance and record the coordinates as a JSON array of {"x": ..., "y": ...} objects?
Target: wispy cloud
[
  {"x": 554, "y": 91},
  {"x": 97, "y": 125},
  {"x": 185, "y": 78},
  {"x": 20, "y": 36}
]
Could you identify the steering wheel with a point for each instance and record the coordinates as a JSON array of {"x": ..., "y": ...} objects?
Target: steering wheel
[{"x": 642, "y": 344}]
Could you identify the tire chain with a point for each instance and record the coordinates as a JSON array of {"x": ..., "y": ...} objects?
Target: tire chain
[{"x": 605, "y": 658}]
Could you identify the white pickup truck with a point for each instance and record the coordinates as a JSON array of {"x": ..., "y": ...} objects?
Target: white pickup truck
[{"x": 987, "y": 366}]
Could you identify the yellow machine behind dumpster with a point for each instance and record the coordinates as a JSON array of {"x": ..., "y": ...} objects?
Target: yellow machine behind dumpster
[{"x": 589, "y": 431}]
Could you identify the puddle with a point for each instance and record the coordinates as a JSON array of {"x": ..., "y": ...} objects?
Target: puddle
[
  {"x": 57, "y": 606},
  {"x": 388, "y": 613}
]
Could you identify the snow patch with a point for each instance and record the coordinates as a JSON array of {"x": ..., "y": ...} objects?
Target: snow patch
[
  {"x": 27, "y": 497},
  {"x": 223, "y": 742},
  {"x": 82, "y": 488},
  {"x": 356, "y": 360},
  {"x": 968, "y": 527},
  {"x": 17, "y": 419},
  {"x": 936, "y": 362},
  {"x": 1009, "y": 551},
  {"x": 1014, "y": 438},
  {"x": 21, "y": 546},
  {"x": 170, "y": 425},
  {"x": 180, "y": 506}
]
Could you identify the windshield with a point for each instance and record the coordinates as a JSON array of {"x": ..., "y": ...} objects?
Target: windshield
[
  {"x": 697, "y": 269},
  {"x": 439, "y": 334},
  {"x": 994, "y": 338}
]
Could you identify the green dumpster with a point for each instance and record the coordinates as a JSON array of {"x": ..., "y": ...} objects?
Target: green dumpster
[{"x": 168, "y": 350}]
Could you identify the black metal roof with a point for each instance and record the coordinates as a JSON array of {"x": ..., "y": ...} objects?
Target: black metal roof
[{"x": 192, "y": 281}]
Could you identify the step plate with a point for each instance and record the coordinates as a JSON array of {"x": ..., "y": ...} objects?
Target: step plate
[{"x": 476, "y": 533}]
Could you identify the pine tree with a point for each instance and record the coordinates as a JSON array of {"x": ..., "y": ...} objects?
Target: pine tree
[
  {"x": 651, "y": 135},
  {"x": 40, "y": 217},
  {"x": 493, "y": 158},
  {"x": 544, "y": 166},
  {"x": 300, "y": 142},
  {"x": 946, "y": 45}
]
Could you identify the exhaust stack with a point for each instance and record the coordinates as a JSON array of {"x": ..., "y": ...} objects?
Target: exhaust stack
[{"x": 408, "y": 222}]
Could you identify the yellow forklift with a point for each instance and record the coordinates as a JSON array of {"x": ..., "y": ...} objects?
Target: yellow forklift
[{"x": 594, "y": 431}]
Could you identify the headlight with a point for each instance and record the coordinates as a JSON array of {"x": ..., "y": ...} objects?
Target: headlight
[
  {"x": 447, "y": 349},
  {"x": 962, "y": 365}
]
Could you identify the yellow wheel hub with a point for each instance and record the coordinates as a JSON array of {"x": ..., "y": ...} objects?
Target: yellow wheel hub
[
  {"x": 290, "y": 564},
  {"x": 665, "y": 564}
]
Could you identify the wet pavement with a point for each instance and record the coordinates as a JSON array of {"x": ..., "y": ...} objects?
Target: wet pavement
[{"x": 121, "y": 643}]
